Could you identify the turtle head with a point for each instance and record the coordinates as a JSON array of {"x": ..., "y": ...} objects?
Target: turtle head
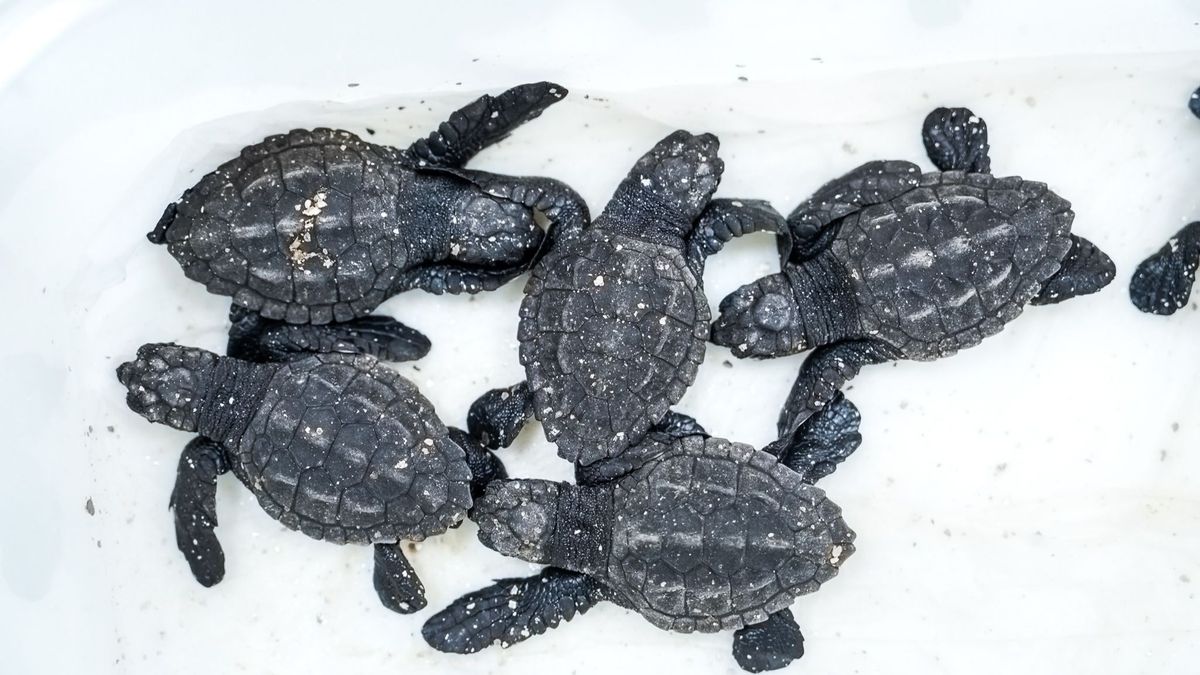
[
  {"x": 167, "y": 383},
  {"x": 517, "y": 518},
  {"x": 761, "y": 320},
  {"x": 670, "y": 185},
  {"x": 547, "y": 523}
]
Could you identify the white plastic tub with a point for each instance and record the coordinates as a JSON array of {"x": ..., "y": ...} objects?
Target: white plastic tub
[{"x": 1027, "y": 506}]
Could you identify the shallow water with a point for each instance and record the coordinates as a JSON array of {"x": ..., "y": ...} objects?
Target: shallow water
[{"x": 1029, "y": 505}]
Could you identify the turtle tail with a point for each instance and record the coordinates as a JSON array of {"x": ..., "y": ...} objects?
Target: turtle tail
[{"x": 159, "y": 234}]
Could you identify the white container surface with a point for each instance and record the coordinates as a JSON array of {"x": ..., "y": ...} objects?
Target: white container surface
[{"x": 1031, "y": 505}]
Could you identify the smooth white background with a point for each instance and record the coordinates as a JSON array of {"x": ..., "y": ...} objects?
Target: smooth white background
[{"x": 1031, "y": 505}]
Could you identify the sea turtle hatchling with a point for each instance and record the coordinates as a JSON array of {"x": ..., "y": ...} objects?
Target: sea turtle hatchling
[
  {"x": 1163, "y": 282},
  {"x": 614, "y": 321},
  {"x": 694, "y": 533},
  {"x": 333, "y": 445},
  {"x": 888, "y": 262},
  {"x": 309, "y": 231}
]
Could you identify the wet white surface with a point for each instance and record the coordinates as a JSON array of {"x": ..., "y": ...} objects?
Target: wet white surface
[{"x": 1031, "y": 505}]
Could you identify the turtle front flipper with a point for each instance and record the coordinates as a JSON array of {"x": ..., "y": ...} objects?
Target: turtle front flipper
[
  {"x": 1163, "y": 282},
  {"x": 194, "y": 503},
  {"x": 875, "y": 182},
  {"x": 511, "y": 246},
  {"x": 815, "y": 447},
  {"x": 956, "y": 139},
  {"x": 770, "y": 645},
  {"x": 255, "y": 338},
  {"x": 484, "y": 121},
  {"x": 725, "y": 219},
  {"x": 485, "y": 465},
  {"x": 1086, "y": 269},
  {"x": 512, "y": 610},
  {"x": 561, "y": 205},
  {"x": 822, "y": 377},
  {"x": 496, "y": 417},
  {"x": 396, "y": 582},
  {"x": 1194, "y": 103}
]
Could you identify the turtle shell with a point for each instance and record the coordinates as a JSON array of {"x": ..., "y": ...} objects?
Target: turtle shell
[
  {"x": 295, "y": 228},
  {"x": 347, "y": 450},
  {"x": 950, "y": 262},
  {"x": 716, "y": 535},
  {"x": 612, "y": 331}
]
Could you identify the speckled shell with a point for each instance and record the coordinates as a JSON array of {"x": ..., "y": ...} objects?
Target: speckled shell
[
  {"x": 716, "y": 535},
  {"x": 950, "y": 262},
  {"x": 612, "y": 331},
  {"x": 347, "y": 450},
  {"x": 241, "y": 230}
]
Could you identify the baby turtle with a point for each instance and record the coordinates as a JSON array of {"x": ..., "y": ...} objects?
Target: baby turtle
[
  {"x": 333, "y": 445},
  {"x": 314, "y": 229},
  {"x": 1163, "y": 282},
  {"x": 888, "y": 263},
  {"x": 694, "y": 533},
  {"x": 614, "y": 321}
]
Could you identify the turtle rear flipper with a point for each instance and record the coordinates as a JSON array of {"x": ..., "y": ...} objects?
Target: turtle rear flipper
[
  {"x": 769, "y": 645},
  {"x": 396, "y": 582},
  {"x": 956, "y": 139},
  {"x": 484, "y": 464},
  {"x": 1085, "y": 269},
  {"x": 1163, "y": 282},
  {"x": 485, "y": 121},
  {"x": 511, "y": 611},
  {"x": 497, "y": 416},
  {"x": 194, "y": 502},
  {"x": 815, "y": 447},
  {"x": 679, "y": 425}
]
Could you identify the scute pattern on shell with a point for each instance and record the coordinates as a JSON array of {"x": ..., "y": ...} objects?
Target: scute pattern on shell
[
  {"x": 947, "y": 264},
  {"x": 346, "y": 450},
  {"x": 612, "y": 332},
  {"x": 242, "y": 229},
  {"x": 717, "y": 535}
]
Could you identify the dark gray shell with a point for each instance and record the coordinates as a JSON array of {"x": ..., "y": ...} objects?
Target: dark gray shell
[
  {"x": 951, "y": 261},
  {"x": 347, "y": 450},
  {"x": 295, "y": 227},
  {"x": 716, "y": 535},
  {"x": 612, "y": 332}
]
